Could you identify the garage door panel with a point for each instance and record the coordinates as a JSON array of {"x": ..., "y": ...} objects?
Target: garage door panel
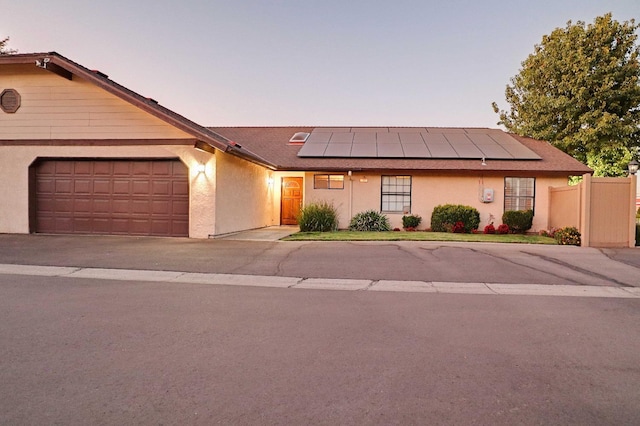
[
  {"x": 160, "y": 207},
  {"x": 140, "y": 226},
  {"x": 121, "y": 206},
  {"x": 124, "y": 197},
  {"x": 180, "y": 209},
  {"x": 101, "y": 187},
  {"x": 101, "y": 206},
  {"x": 180, "y": 227},
  {"x": 162, "y": 169},
  {"x": 46, "y": 185},
  {"x": 102, "y": 168},
  {"x": 160, "y": 227},
  {"x": 141, "y": 168},
  {"x": 63, "y": 168},
  {"x": 83, "y": 224},
  {"x": 63, "y": 224},
  {"x": 161, "y": 187},
  {"x": 141, "y": 187},
  {"x": 63, "y": 205},
  {"x": 142, "y": 207},
  {"x": 121, "y": 187},
  {"x": 180, "y": 188},
  {"x": 122, "y": 168},
  {"x": 82, "y": 168},
  {"x": 64, "y": 186},
  {"x": 82, "y": 186}
]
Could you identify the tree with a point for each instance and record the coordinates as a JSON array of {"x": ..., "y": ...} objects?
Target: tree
[
  {"x": 580, "y": 90},
  {"x": 4, "y": 50}
]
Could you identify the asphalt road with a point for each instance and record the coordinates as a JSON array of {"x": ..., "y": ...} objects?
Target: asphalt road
[
  {"x": 76, "y": 351},
  {"x": 424, "y": 261}
]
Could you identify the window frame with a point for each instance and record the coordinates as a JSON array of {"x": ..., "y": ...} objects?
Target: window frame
[
  {"x": 384, "y": 194},
  {"x": 329, "y": 180},
  {"x": 519, "y": 197}
]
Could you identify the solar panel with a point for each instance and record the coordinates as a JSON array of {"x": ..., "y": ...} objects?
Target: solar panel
[
  {"x": 409, "y": 142},
  {"x": 415, "y": 150},
  {"x": 363, "y": 150},
  {"x": 388, "y": 138},
  {"x": 388, "y": 150}
]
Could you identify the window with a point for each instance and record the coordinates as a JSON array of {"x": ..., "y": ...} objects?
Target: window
[
  {"x": 519, "y": 193},
  {"x": 328, "y": 181},
  {"x": 396, "y": 194}
]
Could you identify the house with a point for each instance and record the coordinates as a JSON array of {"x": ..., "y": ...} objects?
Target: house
[{"x": 80, "y": 153}]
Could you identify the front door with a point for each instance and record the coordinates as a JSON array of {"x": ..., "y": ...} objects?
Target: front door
[{"x": 291, "y": 200}]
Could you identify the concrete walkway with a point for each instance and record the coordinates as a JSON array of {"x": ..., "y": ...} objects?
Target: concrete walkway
[
  {"x": 270, "y": 233},
  {"x": 321, "y": 283}
]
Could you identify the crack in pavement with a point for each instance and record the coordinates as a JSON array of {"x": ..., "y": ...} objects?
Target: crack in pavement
[
  {"x": 578, "y": 269},
  {"x": 279, "y": 268},
  {"x": 526, "y": 266}
]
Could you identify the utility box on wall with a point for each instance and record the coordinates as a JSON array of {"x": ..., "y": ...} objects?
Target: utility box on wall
[{"x": 487, "y": 195}]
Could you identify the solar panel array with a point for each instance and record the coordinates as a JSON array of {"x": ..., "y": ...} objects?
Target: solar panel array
[{"x": 414, "y": 142}]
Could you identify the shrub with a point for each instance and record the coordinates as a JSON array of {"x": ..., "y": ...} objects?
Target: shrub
[
  {"x": 568, "y": 236},
  {"x": 450, "y": 214},
  {"x": 318, "y": 217},
  {"x": 411, "y": 221},
  {"x": 548, "y": 233},
  {"x": 369, "y": 220},
  {"x": 458, "y": 228},
  {"x": 490, "y": 229},
  {"x": 519, "y": 221},
  {"x": 502, "y": 229}
]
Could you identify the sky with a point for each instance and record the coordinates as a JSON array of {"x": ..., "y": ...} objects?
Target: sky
[{"x": 305, "y": 62}]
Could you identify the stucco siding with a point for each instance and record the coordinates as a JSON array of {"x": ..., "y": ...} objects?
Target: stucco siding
[
  {"x": 244, "y": 196},
  {"x": 53, "y": 107},
  {"x": 363, "y": 192}
]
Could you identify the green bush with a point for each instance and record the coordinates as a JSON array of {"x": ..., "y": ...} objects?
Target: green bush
[
  {"x": 318, "y": 217},
  {"x": 369, "y": 220},
  {"x": 568, "y": 236},
  {"x": 519, "y": 221},
  {"x": 445, "y": 216},
  {"x": 637, "y": 234},
  {"x": 411, "y": 221}
]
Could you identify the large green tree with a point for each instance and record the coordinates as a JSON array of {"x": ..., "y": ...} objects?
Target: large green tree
[
  {"x": 4, "y": 50},
  {"x": 580, "y": 90}
]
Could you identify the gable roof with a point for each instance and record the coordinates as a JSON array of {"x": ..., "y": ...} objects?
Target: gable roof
[
  {"x": 273, "y": 144},
  {"x": 66, "y": 68}
]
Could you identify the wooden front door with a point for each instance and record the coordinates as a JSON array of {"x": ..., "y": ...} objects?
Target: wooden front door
[{"x": 291, "y": 200}]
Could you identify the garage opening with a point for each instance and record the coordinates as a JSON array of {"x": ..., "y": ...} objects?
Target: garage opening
[{"x": 110, "y": 197}]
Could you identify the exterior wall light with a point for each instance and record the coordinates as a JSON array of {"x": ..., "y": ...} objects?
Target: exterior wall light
[
  {"x": 270, "y": 181},
  {"x": 201, "y": 168},
  {"x": 633, "y": 167}
]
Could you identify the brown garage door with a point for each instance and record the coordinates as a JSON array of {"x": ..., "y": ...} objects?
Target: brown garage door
[{"x": 119, "y": 197}]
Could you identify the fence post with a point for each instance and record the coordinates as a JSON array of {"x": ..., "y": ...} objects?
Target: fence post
[
  {"x": 585, "y": 210},
  {"x": 632, "y": 209}
]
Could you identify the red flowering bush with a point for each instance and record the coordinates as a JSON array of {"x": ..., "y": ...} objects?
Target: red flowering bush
[
  {"x": 458, "y": 228},
  {"x": 503, "y": 229},
  {"x": 490, "y": 229}
]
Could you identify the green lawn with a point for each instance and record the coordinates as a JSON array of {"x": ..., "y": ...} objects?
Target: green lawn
[{"x": 417, "y": 236}]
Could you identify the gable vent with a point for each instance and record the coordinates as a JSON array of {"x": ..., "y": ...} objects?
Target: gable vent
[{"x": 299, "y": 138}]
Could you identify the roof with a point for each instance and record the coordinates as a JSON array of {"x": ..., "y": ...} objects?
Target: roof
[
  {"x": 272, "y": 143},
  {"x": 66, "y": 68}
]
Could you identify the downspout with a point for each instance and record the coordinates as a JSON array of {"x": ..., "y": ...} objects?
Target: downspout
[{"x": 350, "y": 173}]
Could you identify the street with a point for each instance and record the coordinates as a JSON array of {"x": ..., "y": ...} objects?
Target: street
[{"x": 81, "y": 351}]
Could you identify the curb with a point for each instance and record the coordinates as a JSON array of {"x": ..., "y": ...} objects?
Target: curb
[{"x": 477, "y": 288}]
